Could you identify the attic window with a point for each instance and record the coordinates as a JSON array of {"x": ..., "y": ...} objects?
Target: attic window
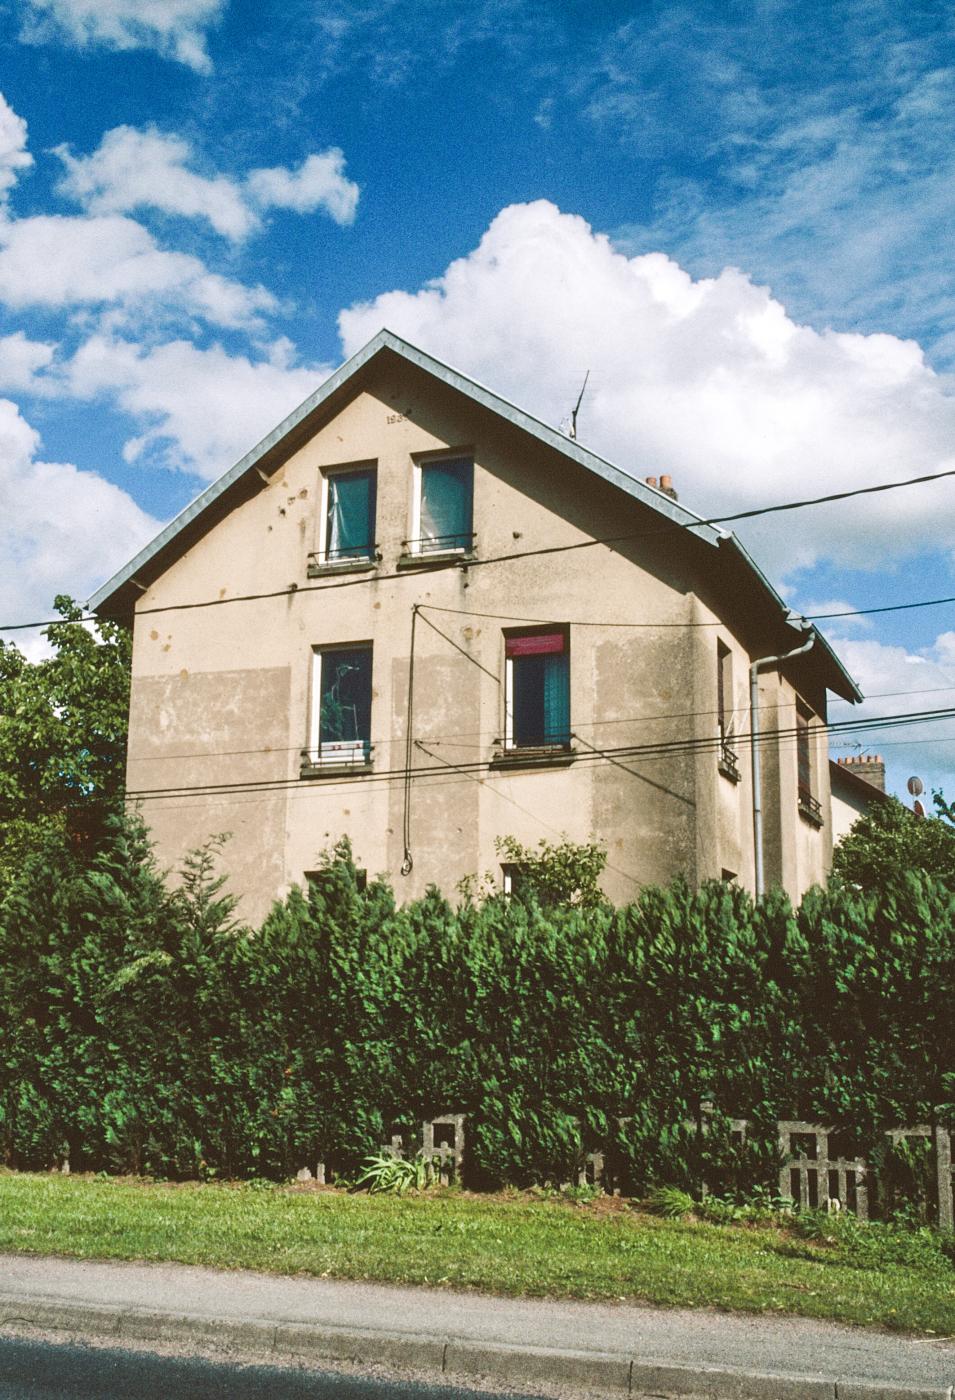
[
  {"x": 349, "y": 516},
  {"x": 444, "y": 506},
  {"x": 537, "y": 689}
]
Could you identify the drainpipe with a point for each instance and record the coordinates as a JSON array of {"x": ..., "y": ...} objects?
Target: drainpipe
[{"x": 754, "y": 670}]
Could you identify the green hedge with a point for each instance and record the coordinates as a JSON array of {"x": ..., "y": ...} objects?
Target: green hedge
[{"x": 145, "y": 1030}]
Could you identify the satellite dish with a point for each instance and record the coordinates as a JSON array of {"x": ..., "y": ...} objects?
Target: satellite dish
[
  {"x": 915, "y": 786},
  {"x": 918, "y": 809}
]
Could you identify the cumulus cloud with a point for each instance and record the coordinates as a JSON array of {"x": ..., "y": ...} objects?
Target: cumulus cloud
[
  {"x": 319, "y": 183},
  {"x": 201, "y": 410},
  {"x": 710, "y": 380},
  {"x": 898, "y": 681},
  {"x": 55, "y": 261},
  {"x": 149, "y": 169},
  {"x": 14, "y": 155},
  {"x": 21, "y": 360},
  {"x": 174, "y": 28},
  {"x": 133, "y": 169},
  {"x": 61, "y": 529}
]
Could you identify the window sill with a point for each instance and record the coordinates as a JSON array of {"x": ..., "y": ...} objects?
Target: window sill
[
  {"x": 544, "y": 756},
  {"x": 729, "y": 770},
  {"x": 434, "y": 558},
  {"x": 346, "y": 566},
  {"x": 332, "y": 769}
]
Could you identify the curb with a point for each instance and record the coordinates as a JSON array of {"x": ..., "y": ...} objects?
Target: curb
[{"x": 611, "y": 1372}]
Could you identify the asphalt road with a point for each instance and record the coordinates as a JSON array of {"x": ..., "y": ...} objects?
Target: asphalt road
[{"x": 40, "y": 1370}]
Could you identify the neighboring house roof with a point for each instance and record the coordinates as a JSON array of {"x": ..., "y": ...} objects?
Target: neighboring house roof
[
  {"x": 853, "y": 784},
  {"x": 115, "y": 595}
]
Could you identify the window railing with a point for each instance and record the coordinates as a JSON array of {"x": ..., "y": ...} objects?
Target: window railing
[
  {"x": 462, "y": 542},
  {"x": 728, "y": 761},
  {"x": 347, "y": 554},
  {"x": 809, "y": 806},
  {"x": 338, "y": 753}
]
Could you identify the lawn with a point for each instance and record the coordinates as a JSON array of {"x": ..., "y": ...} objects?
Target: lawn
[{"x": 520, "y": 1245}]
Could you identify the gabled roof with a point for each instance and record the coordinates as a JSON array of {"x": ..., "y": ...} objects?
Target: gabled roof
[{"x": 288, "y": 434}]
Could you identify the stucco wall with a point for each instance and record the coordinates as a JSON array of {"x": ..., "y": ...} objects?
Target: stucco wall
[{"x": 221, "y": 695}]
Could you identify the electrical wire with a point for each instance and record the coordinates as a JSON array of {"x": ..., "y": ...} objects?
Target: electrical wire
[
  {"x": 663, "y": 748},
  {"x": 427, "y": 566}
]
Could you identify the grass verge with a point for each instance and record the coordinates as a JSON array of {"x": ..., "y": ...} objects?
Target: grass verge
[{"x": 524, "y": 1246}]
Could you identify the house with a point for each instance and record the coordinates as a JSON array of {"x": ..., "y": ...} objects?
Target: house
[
  {"x": 856, "y": 785},
  {"x": 417, "y": 616}
]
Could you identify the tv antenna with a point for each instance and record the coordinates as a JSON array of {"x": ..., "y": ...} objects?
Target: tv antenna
[{"x": 572, "y": 434}]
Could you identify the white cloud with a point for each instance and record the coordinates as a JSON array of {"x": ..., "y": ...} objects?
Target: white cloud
[
  {"x": 133, "y": 169},
  {"x": 174, "y": 28},
  {"x": 319, "y": 183},
  {"x": 57, "y": 262},
  {"x": 201, "y": 410},
  {"x": 21, "y": 360},
  {"x": 14, "y": 155},
  {"x": 62, "y": 530},
  {"x": 150, "y": 169},
  {"x": 897, "y": 681},
  {"x": 709, "y": 380}
]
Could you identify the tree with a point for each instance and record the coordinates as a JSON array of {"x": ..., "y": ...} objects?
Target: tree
[
  {"x": 890, "y": 839},
  {"x": 557, "y": 874},
  {"x": 63, "y": 722}
]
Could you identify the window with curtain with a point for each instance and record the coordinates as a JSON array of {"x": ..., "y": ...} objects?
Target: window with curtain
[
  {"x": 341, "y": 717},
  {"x": 537, "y": 689},
  {"x": 445, "y": 514},
  {"x": 350, "y": 521}
]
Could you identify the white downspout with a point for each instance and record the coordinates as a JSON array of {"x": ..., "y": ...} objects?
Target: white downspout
[{"x": 754, "y": 671}]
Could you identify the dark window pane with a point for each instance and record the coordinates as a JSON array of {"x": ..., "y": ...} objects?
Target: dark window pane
[
  {"x": 446, "y": 498},
  {"x": 345, "y": 717},
  {"x": 541, "y": 700},
  {"x": 351, "y": 515},
  {"x": 803, "y": 755}
]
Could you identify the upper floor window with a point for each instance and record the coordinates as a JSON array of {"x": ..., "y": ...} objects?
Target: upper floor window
[
  {"x": 537, "y": 688},
  {"x": 809, "y": 804},
  {"x": 350, "y": 516},
  {"x": 728, "y": 758},
  {"x": 444, "y": 506},
  {"x": 341, "y": 705}
]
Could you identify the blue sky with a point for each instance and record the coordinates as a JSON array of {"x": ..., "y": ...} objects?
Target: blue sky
[{"x": 736, "y": 216}]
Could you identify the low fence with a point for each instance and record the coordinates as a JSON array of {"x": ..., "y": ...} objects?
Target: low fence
[{"x": 811, "y": 1173}]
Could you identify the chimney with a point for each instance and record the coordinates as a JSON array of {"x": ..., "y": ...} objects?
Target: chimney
[
  {"x": 651, "y": 481},
  {"x": 666, "y": 486},
  {"x": 868, "y": 766}
]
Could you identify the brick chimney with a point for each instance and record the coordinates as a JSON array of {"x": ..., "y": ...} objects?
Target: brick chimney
[
  {"x": 665, "y": 485},
  {"x": 868, "y": 766}
]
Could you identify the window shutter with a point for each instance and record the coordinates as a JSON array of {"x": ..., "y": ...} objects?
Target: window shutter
[{"x": 538, "y": 644}]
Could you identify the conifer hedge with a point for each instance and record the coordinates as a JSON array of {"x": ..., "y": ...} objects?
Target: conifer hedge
[{"x": 145, "y": 1030}]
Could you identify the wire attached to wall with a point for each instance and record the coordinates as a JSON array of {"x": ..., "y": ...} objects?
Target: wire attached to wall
[{"x": 407, "y": 863}]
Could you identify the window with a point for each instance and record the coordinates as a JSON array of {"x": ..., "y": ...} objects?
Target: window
[
  {"x": 728, "y": 758},
  {"x": 444, "y": 505},
  {"x": 341, "y": 706},
  {"x": 514, "y": 881},
  {"x": 809, "y": 804},
  {"x": 537, "y": 689},
  {"x": 350, "y": 516}
]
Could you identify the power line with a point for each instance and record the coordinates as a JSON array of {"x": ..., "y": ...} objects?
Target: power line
[
  {"x": 427, "y": 566},
  {"x": 662, "y": 748}
]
